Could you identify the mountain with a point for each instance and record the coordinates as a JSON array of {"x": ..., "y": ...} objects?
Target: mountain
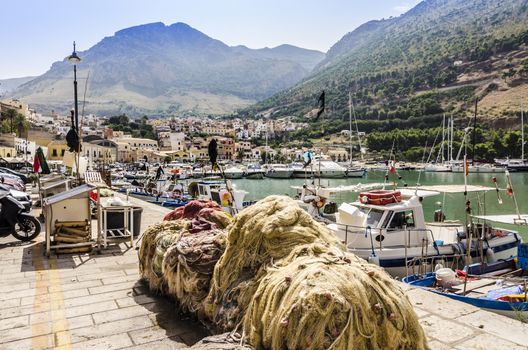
[
  {"x": 159, "y": 69},
  {"x": 407, "y": 71},
  {"x": 7, "y": 85}
]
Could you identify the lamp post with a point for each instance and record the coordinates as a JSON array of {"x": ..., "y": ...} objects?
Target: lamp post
[{"x": 74, "y": 59}]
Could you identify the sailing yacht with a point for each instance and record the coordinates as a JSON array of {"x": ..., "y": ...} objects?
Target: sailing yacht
[{"x": 440, "y": 165}]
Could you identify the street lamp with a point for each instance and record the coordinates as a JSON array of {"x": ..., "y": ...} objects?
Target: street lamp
[{"x": 74, "y": 59}]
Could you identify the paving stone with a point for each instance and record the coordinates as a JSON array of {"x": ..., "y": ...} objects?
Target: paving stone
[
  {"x": 36, "y": 343},
  {"x": 438, "y": 304},
  {"x": 109, "y": 328},
  {"x": 444, "y": 330},
  {"x": 436, "y": 345},
  {"x": 489, "y": 342},
  {"x": 135, "y": 300},
  {"x": 149, "y": 335},
  {"x": 112, "y": 287},
  {"x": 53, "y": 296},
  {"x": 74, "y": 285},
  {"x": 171, "y": 343},
  {"x": 121, "y": 279},
  {"x": 14, "y": 322},
  {"x": 503, "y": 327},
  {"x": 119, "y": 314},
  {"x": 117, "y": 341}
]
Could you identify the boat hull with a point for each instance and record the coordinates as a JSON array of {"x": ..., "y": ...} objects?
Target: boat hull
[{"x": 279, "y": 174}]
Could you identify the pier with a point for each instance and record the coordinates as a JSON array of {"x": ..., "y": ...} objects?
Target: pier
[{"x": 95, "y": 301}]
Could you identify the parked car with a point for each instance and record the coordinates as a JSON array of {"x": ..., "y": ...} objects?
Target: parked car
[{"x": 13, "y": 172}]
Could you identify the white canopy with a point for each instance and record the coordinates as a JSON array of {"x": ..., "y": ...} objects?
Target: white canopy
[
  {"x": 512, "y": 219},
  {"x": 332, "y": 191}
]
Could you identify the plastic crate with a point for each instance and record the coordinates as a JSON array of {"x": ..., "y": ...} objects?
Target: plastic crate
[{"x": 522, "y": 256}]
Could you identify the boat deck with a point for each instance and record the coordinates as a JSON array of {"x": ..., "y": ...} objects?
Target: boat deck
[{"x": 94, "y": 301}]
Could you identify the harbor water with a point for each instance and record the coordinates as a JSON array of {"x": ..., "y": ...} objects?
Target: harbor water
[{"x": 452, "y": 204}]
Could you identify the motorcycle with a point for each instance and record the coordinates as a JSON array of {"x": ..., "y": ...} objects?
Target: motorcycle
[{"x": 15, "y": 220}]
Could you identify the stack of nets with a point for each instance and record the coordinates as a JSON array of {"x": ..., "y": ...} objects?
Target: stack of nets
[
  {"x": 286, "y": 282},
  {"x": 177, "y": 256},
  {"x": 153, "y": 245}
]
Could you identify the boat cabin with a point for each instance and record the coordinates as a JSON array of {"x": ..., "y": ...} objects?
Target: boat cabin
[{"x": 399, "y": 221}]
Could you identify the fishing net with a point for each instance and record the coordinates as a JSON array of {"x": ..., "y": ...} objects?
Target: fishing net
[
  {"x": 286, "y": 282},
  {"x": 188, "y": 267},
  {"x": 262, "y": 233},
  {"x": 184, "y": 270},
  {"x": 149, "y": 265},
  {"x": 330, "y": 301},
  {"x": 191, "y": 210}
]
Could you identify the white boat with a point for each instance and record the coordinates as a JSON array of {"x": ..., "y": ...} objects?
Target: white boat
[
  {"x": 254, "y": 171},
  {"x": 396, "y": 235},
  {"x": 438, "y": 168},
  {"x": 233, "y": 173},
  {"x": 328, "y": 169},
  {"x": 323, "y": 168},
  {"x": 278, "y": 171},
  {"x": 355, "y": 172},
  {"x": 478, "y": 168},
  {"x": 301, "y": 172}
]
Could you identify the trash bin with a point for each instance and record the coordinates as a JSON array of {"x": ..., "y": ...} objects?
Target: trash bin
[{"x": 116, "y": 220}]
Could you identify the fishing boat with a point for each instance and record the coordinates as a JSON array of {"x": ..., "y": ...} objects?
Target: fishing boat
[
  {"x": 498, "y": 287},
  {"x": 388, "y": 228},
  {"x": 502, "y": 296},
  {"x": 279, "y": 171},
  {"x": 230, "y": 199}
]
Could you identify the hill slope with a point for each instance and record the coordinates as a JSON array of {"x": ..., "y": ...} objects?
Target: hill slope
[
  {"x": 435, "y": 58},
  {"x": 155, "y": 68}
]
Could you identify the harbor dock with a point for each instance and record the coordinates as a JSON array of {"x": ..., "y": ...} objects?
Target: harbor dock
[{"x": 96, "y": 301}]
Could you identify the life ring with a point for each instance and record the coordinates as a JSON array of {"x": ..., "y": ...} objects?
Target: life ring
[{"x": 319, "y": 202}]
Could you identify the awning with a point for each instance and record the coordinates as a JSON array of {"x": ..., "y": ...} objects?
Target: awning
[{"x": 511, "y": 219}]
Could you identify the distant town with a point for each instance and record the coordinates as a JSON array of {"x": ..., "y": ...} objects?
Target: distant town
[{"x": 177, "y": 139}]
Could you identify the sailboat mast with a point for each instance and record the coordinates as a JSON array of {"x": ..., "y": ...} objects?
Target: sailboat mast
[
  {"x": 474, "y": 132},
  {"x": 350, "y": 123},
  {"x": 443, "y": 139},
  {"x": 522, "y": 132},
  {"x": 452, "y": 137}
]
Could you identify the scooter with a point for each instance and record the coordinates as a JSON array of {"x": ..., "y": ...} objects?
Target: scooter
[{"x": 14, "y": 220}]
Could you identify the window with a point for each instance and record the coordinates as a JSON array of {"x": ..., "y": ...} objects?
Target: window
[
  {"x": 373, "y": 216},
  {"x": 62, "y": 152},
  {"x": 54, "y": 153},
  {"x": 402, "y": 219}
]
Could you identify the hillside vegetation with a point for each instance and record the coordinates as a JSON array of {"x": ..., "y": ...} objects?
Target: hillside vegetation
[{"x": 436, "y": 58}]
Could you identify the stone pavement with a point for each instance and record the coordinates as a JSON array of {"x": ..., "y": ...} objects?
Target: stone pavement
[{"x": 94, "y": 301}]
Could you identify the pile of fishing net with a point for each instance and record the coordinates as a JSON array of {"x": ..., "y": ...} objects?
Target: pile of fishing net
[
  {"x": 177, "y": 256},
  {"x": 285, "y": 281},
  {"x": 225, "y": 341}
]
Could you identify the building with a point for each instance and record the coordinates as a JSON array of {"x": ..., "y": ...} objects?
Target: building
[
  {"x": 136, "y": 143},
  {"x": 57, "y": 149}
]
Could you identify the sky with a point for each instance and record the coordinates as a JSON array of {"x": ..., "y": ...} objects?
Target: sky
[{"x": 36, "y": 33}]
